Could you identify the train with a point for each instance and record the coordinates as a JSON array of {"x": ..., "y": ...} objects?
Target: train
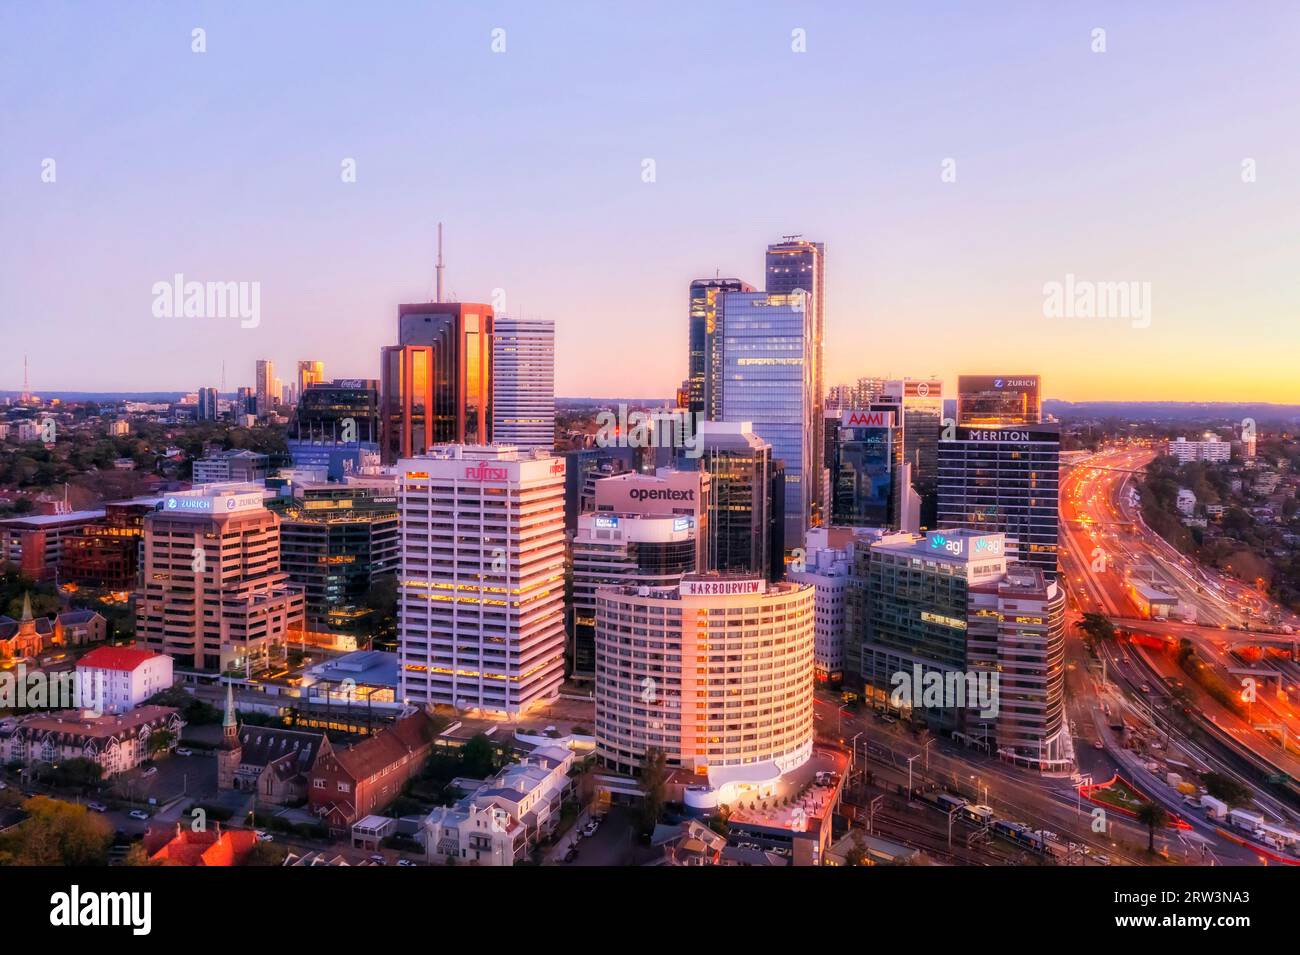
[{"x": 1039, "y": 841}]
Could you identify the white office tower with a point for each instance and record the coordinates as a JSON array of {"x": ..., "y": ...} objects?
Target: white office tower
[
  {"x": 523, "y": 382},
  {"x": 480, "y": 603}
]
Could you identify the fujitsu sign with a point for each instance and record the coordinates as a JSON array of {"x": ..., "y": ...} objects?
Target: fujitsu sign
[
  {"x": 866, "y": 419},
  {"x": 481, "y": 472}
]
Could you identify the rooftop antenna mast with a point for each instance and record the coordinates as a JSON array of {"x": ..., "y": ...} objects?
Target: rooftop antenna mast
[
  {"x": 438, "y": 268},
  {"x": 27, "y": 391}
]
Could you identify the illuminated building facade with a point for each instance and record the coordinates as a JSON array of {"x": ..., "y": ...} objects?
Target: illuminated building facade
[
  {"x": 436, "y": 383},
  {"x": 716, "y": 672},
  {"x": 213, "y": 594},
  {"x": 481, "y": 578},
  {"x": 921, "y": 400},
  {"x": 336, "y": 540},
  {"x": 624, "y": 549},
  {"x": 767, "y": 378},
  {"x": 795, "y": 264},
  {"x": 984, "y": 400},
  {"x": 309, "y": 373},
  {"x": 1005, "y": 480},
  {"x": 868, "y": 473},
  {"x": 703, "y": 317}
]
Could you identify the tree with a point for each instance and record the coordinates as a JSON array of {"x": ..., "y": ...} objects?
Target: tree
[
  {"x": 478, "y": 757},
  {"x": 1153, "y": 816},
  {"x": 56, "y": 833},
  {"x": 159, "y": 740},
  {"x": 653, "y": 786},
  {"x": 266, "y": 854},
  {"x": 1098, "y": 627}
]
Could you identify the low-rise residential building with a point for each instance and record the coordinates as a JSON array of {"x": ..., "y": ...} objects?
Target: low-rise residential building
[
  {"x": 200, "y": 848},
  {"x": 117, "y": 742},
  {"x": 225, "y": 466},
  {"x": 129, "y": 676},
  {"x": 474, "y": 835}
]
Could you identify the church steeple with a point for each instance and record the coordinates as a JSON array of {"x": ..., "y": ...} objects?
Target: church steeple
[
  {"x": 27, "y": 606},
  {"x": 229, "y": 721},
  {"x": 231, "y": 753}
]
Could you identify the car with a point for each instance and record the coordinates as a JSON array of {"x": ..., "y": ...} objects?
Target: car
[
  {"x": 184, "y": 751},
  {"x": 571, "y": 854},
  {"x": 151, "y": 771},
  {"x": 263, "y": 835},
  {"x": 405, "y": 862},
  {"x": 4, "y": 786},
  {"x": 1145, "y": 688},
  {"x": 377, "y": 859},
  {"x": 138, "y": 814},
  {"x": 96, "y": 807},
  {"x": 1098, "y": 744}
]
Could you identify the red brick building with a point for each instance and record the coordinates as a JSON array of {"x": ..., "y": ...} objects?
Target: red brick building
[{"x": 349, "y": 784}]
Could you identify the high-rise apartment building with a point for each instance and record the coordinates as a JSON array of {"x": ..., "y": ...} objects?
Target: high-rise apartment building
[
  {"x": 523, "y": 382},
  {"x": 481, "y": 578},
  {"x": 214, "y": 595},
  {"x": 826, "y": 566},
  {"x": 1005, "y": 480},
  {"x": 795, "y": 264},
  {"x": 765, "y": 343},
  {"x": 717, "y": 673},
  {"x": 701, "y": 360},
  {"x": 991, "y": 400},
  {"x": 436, "y": 383}
]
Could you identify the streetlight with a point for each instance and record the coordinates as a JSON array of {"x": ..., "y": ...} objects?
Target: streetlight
[{"x": 910, "y": 760}]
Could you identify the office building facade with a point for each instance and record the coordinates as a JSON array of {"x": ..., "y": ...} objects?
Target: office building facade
[
  {"x": 481, "y": 578},
  {"x": 984, "y": 400},
  {"x": 213, "y": 594},
  {"x": 795, "y": 264},
  {"x": 868, "y": 475},
  {"x": 523, "y": 382},
  {"x": 702, "y": 361},
  {"x": 767, "y": 379},
  {"x": 1005, "y": 480}
]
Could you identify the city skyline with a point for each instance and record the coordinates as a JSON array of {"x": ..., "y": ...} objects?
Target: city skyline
[{"x": 1041, "y": 161}]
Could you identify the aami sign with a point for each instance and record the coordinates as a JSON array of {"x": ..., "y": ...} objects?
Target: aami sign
[{"x": 866, "y": 419}]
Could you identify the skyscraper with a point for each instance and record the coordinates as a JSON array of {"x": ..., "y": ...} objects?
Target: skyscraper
[
  {"x": 264, "y": 386},
  {"x": 1005, "y": 479},
  {"x": 739, "y": 528},
  {"x": 921, "y": 400},
  {"x": 481, "y": 581},
  {"x": 868, "y": 474},
  {"x": 436, "y": 383},
  {"x": 523, "y": 382},
  {"x": 700, "y": 360},
  {"x": 795, "y": 264},
  {"x": 764, "y": 342},
  {"x": 309, "y": 373},
  {"x": 207, "y": 407}
]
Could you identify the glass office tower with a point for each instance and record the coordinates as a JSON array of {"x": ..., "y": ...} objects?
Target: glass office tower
[
  {"x": 795, "y": 264},
  {"x": 703, "y": 315},
  {"x": 866, "y": 478},
  {"x": 764, "y": 342},
  {"x": 990, "y": 399},
  {"x": 922, "y": 403}
]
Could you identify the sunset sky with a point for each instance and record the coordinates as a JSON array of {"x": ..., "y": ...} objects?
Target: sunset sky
[{"x": 1119, "y": 166}]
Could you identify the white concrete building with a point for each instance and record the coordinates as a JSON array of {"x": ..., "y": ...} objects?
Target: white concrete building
[
  {"x": 129, "y": 676},
  {"x": 827, "y": 569},
  {"x": 1210, "y": 448},
  {"x": 1186, "y": 502},
  {"x": 480, "y": 602},
  {"x": 717, "y": 673},
  {"x": 523, "y": 382}
]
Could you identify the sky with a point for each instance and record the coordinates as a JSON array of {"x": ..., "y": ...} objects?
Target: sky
[{"x": 956, "y": 160}]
